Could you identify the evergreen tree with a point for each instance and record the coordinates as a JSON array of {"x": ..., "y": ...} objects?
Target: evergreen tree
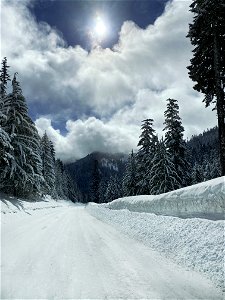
[
  {"x": 4, "y": 78},
  {"x": 147, "y": 144},
  {"x": 6, "y": 158},
  {"x": 197, "y": 174},
  {"x": 102, "y": 191},
  {"x": 94, "y": 188},
  {"x": 59, "y": 182},
  {"x": 72, "y": 191},
  {"x": 163, "y": 176},
  {"x": 48, "y": 165},
  {"x": 175, "y": 143},
  {"x": 114, "y": 189},
  {"x": 130, "y": 177},
  {"x": 207, "y": 67},
  {"x": 24, "y": 177}
]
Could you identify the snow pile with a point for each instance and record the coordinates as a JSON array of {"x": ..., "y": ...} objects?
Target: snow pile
[
  {"x": 194, "y": 243},
  {"x": 11, "y": 204},
  {"x": 205, "y": 199}
]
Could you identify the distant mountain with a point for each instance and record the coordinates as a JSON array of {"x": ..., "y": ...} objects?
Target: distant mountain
[{"x": 81, "y": 171}]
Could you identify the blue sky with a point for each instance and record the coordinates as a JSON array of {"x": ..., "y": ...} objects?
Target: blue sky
[
  {"x": 73, "y": 18},
  {"x": 91, "y": 71}
]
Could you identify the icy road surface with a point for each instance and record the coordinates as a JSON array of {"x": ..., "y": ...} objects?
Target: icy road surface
[{"x": 63, "y": 252}]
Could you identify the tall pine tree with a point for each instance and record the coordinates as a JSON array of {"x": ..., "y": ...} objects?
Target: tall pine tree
[
  {"x": 130, "y": 187},
  {"x": 175, "y": 143},
  {"x": 114, "y": 189},
  {"x": 24, "y": 177},
  {"x": 4, "y": 78},
  {"x": 95, "y": 183},
  {"x": 6, "y": 158},
  {"x": 145, "y": 154},
  {"x": 207, "y": 69},
  {"x": 48, "y": 163},
  {"x": 162, "y": 176}
]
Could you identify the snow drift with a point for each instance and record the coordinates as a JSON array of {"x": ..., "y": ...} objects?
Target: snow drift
[
  {"x": 206, "y": 199},
  {"x": 196, "y": 244}
]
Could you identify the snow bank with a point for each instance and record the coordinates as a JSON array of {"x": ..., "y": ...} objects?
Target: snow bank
[
  {"x": 194, "y": 243},
  {"x": 14, "y": 205},
  {"x": 205, "y": 200}
]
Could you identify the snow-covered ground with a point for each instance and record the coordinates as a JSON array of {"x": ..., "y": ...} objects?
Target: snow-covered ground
[
  {"x": 62, "y": 252},
  {"x": 11, "y": 204},
  {"x": 205, "y": 200},
  {"x": 196, "y": 243}
]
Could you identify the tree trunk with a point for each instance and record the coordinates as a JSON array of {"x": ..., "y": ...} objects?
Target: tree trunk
[{"x": 220, "y": 104}]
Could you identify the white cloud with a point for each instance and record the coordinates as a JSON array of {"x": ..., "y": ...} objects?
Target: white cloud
[
  {"x": 86, "y": 136},
  {"x": 122, "y": 85}
]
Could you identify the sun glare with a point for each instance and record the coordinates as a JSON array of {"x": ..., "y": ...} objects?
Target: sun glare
[{"x": 100, "y": 28}]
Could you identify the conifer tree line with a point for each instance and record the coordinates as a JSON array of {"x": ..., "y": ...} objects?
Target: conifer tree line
[
  {"x": 162, "y": 164},
  {"x": 166, "y": 164},
  {"x": 204, "y": 156},
  {"x": 207, "y": 68},
  {"x": 27, "y": 161}
]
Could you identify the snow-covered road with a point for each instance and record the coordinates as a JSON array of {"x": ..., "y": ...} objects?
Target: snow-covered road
[{"x": 63, "y": 252}]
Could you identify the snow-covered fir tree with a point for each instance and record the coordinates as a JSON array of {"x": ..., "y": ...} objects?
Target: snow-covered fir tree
[
  {"x": 207, "y": 69},
  {"x": 102, "y": 190},
  {"x": 197, "y": 174},
  {"x": 6, "y": 157},
  {"x": 175, "y": 143},
  {"x": 4, "y": 78},
  {"x": 59, "y": 185},
  {"x": 48, "y": 165},
  {"x": 70, "y": 188},
  {"x": 114, "y": 189},
  {"x": 162, "y": 176},
  {"x": 27, "y": 162},
  {"x": 145, "y": 154},
  {"x": 95, "y": 182},
  {"x": 24, "y": 177},
  {"x": 130, "y": 187},
  {"x": 65, "y": 187}
]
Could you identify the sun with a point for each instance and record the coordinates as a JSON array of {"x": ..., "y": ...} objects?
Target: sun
[{"x": 100, "y": 28}]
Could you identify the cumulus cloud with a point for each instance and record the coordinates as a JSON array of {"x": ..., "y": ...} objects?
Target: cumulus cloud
[
  {"x": 84, "y": 137},
  {"x": 119, "y": 86}
]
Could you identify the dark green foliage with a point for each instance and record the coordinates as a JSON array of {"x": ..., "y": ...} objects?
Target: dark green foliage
[
  {"x": 204, "y": 155},
  {"x": 102, "y": 190},
  {"x": 27, "y": 164},
  {"x": 4, "y": 77},
  {"x": 207, "y": 69},
  {"x": 163, "y": 175},
  {"x": 175, "y": 143},
  {"x": 130, "y": 187},
  {"x": 114, "y": 189},
  {"x": 147, "y": 144},
  {"x": 25, "y": 175},
  {"x": 95, "y": 182},
  {"x": 48, "y": 164}
]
